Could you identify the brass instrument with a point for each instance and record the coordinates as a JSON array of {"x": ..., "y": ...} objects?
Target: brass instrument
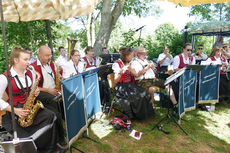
[
  {"x": 85, "y": 65},
  {"x": 100, "y": 60},
  {"x": 71, "y": 45},
  {"x": 57, "y": 78},
  {"x": 198, "y": 54},
  {"x": 29, "y": 104}
]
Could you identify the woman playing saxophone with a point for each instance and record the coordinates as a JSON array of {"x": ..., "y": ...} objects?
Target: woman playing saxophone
[{"x": 22, "y": 81}]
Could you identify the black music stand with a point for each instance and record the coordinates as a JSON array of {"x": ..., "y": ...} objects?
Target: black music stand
[{"x": 169, "y": 116}]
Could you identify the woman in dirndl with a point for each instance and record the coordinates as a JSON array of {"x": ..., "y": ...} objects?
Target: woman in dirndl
[
  {"x": 135, "y": 101},
  {"x": 216, "y": 57},
  {"x": 43, "y": 129}
]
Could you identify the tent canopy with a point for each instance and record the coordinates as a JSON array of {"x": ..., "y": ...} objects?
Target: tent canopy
[
  {"x": 211, "y": 28},
  {"x": 29, "y": 10},
  {"x": 195, "y": 2}
]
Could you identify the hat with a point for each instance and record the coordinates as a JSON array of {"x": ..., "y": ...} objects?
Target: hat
[
  {"x": 141, "y": 49},
  {"x": 225, "y": 44}
]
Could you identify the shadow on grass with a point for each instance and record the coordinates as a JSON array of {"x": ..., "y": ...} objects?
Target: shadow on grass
[{"x": 207, "y": 133}]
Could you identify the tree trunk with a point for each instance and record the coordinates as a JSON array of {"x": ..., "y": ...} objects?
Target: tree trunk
[
  {"x": 92, "y": 29},
  {"x": 108, "y": 20},
  {"x": 49, "y": 36},
  {"x": 88, "y": 30}
]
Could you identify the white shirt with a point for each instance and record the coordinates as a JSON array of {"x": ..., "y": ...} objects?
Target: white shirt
[
  {"x": 203, "y": 56},
  {"x": 61, "y": 60},
  {"x": 69, "y": 69},
  {"x": 217, "y": 62},
  {"x": 48, "y": 75},
  {"x": 139, "y": 65},
  {"x": 4, "y": 84},
  {"x": 167, "y": 61},
  {"x": 176, "y": 61}
]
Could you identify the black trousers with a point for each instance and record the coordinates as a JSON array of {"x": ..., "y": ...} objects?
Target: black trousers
[
  {"x": 43, "y": 130},
  {"x": 54, "y": 106}
]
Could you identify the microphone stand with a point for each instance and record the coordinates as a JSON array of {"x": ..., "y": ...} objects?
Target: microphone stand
[{"x": 139, "y": 39}]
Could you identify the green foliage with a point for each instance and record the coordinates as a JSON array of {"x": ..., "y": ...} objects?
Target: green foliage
[
  {"x": 165, "y": 34},
  {"x": 218, "y": 11},
  {"x": 129, "y": 39},
  {"x": 141, "y": 8}
]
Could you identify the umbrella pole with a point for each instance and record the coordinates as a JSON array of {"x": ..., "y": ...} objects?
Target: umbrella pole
[{"x": 16, "y": 139}]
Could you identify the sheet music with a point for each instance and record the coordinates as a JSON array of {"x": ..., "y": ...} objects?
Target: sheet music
[{"x": 174, "y": 76}]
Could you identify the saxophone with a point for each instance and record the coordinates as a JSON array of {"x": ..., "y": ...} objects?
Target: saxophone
[
  {"x": 29, "y": 104},
  {"x": 57, "y": 78}
]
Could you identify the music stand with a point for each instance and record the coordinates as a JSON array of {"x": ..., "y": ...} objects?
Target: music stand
[{"x": 169, "y": 115}]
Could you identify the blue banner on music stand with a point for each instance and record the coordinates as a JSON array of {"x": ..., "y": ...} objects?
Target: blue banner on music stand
[
  {"x": 72, "y": 90},
  {"x": 92, "y": 95},
  {"x": 209, "y": 84},
  {"x": 189, "y": 82},
  {"x": 181, "y": 98}
]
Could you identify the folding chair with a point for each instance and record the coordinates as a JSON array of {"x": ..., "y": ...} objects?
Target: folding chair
[{"x": 112, "y": 84}]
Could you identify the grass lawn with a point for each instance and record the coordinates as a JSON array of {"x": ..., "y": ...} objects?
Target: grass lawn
[{"x": 208, "y": 132}]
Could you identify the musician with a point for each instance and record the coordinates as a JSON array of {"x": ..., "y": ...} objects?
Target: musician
[
  {"x": 226, "y": 51},
  {"x": 135, "y": 101},
  {"x": 46, "y": 68},
  {"x": 184, "y": 59},
  {"x": 164, "y": 59},
  {"x": 74, "y": 66},
  {"x": 91, "y": 61},
  {"x": 144, "y": 73},
  {"x": 103, "y": 82},
  {"x": 104, "y": 50},
  {"x": 200, "y": 55},
  {"x": 62, "y": 58},
  {"x": 217, "y": 58},
  {"x": 22, "y": 81},
  {"x": 179, "y": 62},
  {"x": 219, "y": 42}
]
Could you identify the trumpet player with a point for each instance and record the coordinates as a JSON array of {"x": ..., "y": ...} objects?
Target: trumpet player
[
  {"x": 164, "y": 60},
  {"x": 200, "y": 55},
  {"x": 74, "y": 66},
  {"x": 22, "y": 81}
]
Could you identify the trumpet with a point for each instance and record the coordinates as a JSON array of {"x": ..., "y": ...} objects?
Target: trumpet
[{"x": 198, "y": 54}]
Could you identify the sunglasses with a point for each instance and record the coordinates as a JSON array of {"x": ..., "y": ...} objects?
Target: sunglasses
[
  {"x": 200, "y": 48},
  {"x": 189, "y": 50}
]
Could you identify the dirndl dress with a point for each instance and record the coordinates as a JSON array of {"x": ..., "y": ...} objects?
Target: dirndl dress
[{"x": 135, "y": 101}]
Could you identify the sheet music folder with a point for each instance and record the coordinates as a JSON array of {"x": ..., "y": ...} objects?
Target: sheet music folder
[{"x": 181, "y": 71}]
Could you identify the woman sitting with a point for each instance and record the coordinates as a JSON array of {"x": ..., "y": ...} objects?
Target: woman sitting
[
  {"x": 215, "y": 57},
  {"x": 74, "y": 66},
  {"x": 135, "y": 101},
  {"x": 43, "y": 129}
]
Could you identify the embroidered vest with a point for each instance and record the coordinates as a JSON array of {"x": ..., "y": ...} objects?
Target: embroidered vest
[
  {"x": 88, "y": 64},
  {"x": 39, "y": 70},
  {"x": 223, "y": 59},
  {"x": 181, "y": 65},
  {"x": 126, "y": 77},
  {"x": 18, "y": 95}
]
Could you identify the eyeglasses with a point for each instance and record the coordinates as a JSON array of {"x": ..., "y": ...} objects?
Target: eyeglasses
[
  {"x": 189, "y": 50},
  {"x": 200, "y": 48}
]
